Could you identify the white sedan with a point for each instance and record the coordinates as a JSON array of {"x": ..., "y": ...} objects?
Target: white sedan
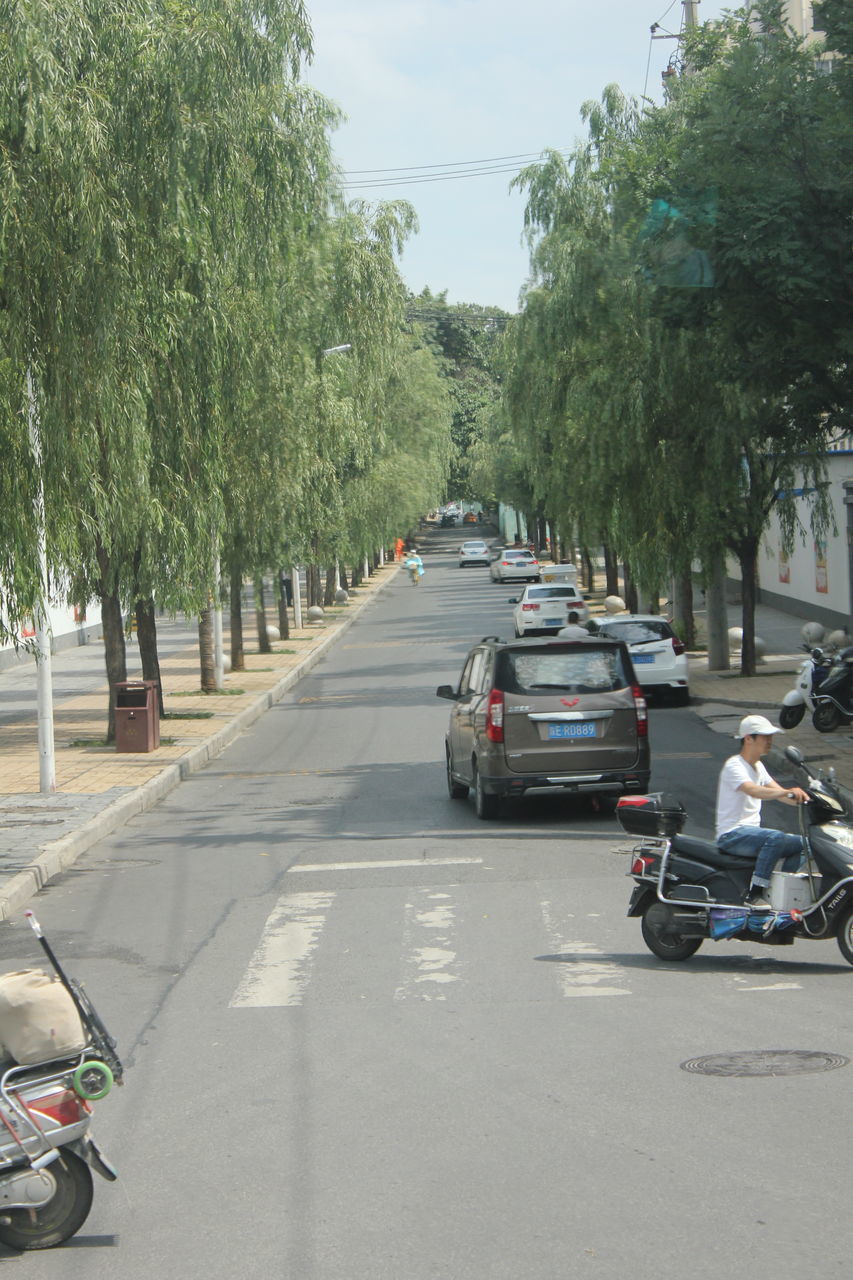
[
  {"x": 509, "y": 564},
  {"x": 659, "y": 657},
  {"x": 545, "y": 609},
  {"x": 474, "y": 552}
]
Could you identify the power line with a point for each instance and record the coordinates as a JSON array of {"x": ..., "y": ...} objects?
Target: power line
[
  {"x": 414, "y": 179},
  {"x": 447, "y": 164}
]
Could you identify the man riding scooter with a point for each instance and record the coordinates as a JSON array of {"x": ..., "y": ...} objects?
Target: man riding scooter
[{"x": 744, "y": 783}]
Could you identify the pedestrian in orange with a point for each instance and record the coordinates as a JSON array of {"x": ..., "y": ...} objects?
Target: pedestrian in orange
[{"x": 398, "y": 549}]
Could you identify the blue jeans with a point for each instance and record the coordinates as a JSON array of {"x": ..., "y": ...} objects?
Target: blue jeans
[{"x": 767, "y": 845}]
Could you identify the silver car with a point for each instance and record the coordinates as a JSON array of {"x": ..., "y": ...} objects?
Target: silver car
[
  {"x": 514, "y": 564},
  {"x": 474, "y": 552}
]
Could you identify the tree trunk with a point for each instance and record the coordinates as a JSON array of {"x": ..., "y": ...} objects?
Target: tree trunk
[
  {"x": 146, "y": 634},
  {"x": 238, "y": 657},
  {"x": 329, "y": 593},
  {"x": 630, "y": 592},
  {"x": 716, "y": 612},
  {"x": 748, "y": 557},
  {"x": 555, "y": 543},
  {"x": 344, "y": 581},
  {"x": 588, "y": 571},
  {"x": 264, "y": 645},
  {"x": 112, "y": 622},
  {"x": 283, "y": 618},
  {"x": 611, "y": 571},
  {"x": 355, "y": 577},
  {"x": 207, "y": 657},
  {"x": 682, "y": 607}
]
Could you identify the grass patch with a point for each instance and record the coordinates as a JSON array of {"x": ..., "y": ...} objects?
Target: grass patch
[
  {"x": 82, "y": 743},
  {"x": 188, "y": 715},
  {"x": 202, "y": 693}
]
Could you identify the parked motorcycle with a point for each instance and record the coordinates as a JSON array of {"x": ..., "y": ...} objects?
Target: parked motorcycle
[
  {"x": 687, "y": 890},
  {"x": 46, "y": 1150},
  {"x": 810, "y": 677},
  {"x": 834, "y": 698}
]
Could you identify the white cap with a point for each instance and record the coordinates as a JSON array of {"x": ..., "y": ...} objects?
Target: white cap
[{"x": 756, "y": 724}]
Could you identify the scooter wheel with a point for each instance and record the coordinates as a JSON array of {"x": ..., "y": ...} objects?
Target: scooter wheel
[
  {"x": 92, "y": 1080},
  {"x": 826, "y": 717},
  {"x": 790, "y": 717},
  {"x": 62, "y": 1216},
  {"x": 660, "y": 939},
  {"x": 844, "y": 936}
]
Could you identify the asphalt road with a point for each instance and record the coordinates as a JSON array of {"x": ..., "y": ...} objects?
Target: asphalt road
[{"x": 370, "y": 1037}]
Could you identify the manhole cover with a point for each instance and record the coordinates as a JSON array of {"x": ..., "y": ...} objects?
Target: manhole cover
[{"x": 764, "y": 1062}]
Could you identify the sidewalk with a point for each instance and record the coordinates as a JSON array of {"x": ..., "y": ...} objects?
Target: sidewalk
[{"x": 98, "y": 789}]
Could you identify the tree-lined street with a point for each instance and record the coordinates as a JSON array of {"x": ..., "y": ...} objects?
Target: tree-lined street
[{"x": 370, "y": 1036}]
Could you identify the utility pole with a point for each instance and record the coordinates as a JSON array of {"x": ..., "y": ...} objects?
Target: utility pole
[
  {"x": 691, "y": 13},
  {"x": 44, "y": 681}
]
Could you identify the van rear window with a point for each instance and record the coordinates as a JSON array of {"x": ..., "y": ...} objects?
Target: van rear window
[{"x": 589, "y": 669}]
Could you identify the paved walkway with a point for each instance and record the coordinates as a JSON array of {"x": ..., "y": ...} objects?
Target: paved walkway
[{"x": 99, "y": 789}]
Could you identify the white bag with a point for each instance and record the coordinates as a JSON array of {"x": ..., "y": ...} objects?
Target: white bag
[{"x": 38, "y": 1018}]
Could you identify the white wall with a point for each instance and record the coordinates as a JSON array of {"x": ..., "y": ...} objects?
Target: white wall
[{"x": 802, "y": 594}]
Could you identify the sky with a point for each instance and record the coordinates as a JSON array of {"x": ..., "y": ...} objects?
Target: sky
[{"x": 441, "y": 84}]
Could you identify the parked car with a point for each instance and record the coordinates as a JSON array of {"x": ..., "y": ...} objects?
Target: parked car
[
  {"x": 448, "y": 520},
  {"x": 533, "y": 717},
  {"x": 469, "y": 518},
  {"x": 543, "y": 609},
  {"x": 659, "y": 657},
  {"x": 474, "y": 552},
  {"x": 514, "y": 564}
]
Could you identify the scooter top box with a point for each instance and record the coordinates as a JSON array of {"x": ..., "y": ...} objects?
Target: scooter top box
[{"x": 656, "y": 814}]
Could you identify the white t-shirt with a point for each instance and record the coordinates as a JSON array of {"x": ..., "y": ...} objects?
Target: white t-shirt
[{"x": 735, "y": 808}]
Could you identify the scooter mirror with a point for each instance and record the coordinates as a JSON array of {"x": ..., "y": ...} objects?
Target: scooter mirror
[{"x": 794, "y": 754}]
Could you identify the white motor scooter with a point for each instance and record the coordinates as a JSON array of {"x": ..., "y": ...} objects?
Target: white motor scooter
[
  {"x": 812, "y": 673},
  {"x": 47, "y": 1152}
]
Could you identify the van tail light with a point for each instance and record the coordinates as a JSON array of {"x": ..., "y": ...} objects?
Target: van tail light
[
  {"x": 495, "y": 716},
  {"x": 678, "y": 646},
  {"x": 641, "y": 864},
  {"x": 642, "y": 712}
]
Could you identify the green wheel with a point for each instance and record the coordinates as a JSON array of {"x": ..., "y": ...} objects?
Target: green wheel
[{"x": 92, "y": 1080}]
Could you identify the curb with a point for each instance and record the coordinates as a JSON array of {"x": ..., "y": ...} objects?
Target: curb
[{"x": 63, "y": 853}]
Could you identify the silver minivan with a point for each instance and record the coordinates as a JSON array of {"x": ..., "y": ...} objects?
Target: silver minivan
[{"x": 533, "y": 717}]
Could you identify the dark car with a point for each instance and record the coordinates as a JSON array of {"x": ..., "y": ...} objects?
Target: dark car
[{"x": 532, "y": 717}]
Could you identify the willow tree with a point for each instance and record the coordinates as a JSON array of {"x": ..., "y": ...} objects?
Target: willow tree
[
  {"x": 358, "y": 304},
  {"x": 661, "y": 431}
]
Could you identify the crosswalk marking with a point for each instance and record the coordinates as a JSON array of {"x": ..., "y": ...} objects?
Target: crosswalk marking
[
  {"x": 452, "y": 943},
  {"x": 280, "y": 969},
  {"x": 430, "y": 962},
  {"x": 581, "y": 973}
]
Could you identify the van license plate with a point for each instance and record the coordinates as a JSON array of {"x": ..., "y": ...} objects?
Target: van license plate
[
  {"x": 642, "y": 657},
  {"x": 578, "y": 729}
]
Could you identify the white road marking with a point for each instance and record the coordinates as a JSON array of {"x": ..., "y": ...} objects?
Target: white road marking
[
  {"x": 430, "y": 961},
  {"x": 774, "y": 986},
  {"x": 280, "y": 969},
  {"x": 579, "y": 977},
  {"x": 380, "y": 865}
]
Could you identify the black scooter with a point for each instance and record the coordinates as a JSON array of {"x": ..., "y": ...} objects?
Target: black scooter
[
  {"x": 833, "y": 698},
  {"x": 687, "y": 890}
]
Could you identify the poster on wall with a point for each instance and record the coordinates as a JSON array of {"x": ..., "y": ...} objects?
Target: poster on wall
[
  {"x": 821, "y": 576},
  {"x": 784, "y": 567}
]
